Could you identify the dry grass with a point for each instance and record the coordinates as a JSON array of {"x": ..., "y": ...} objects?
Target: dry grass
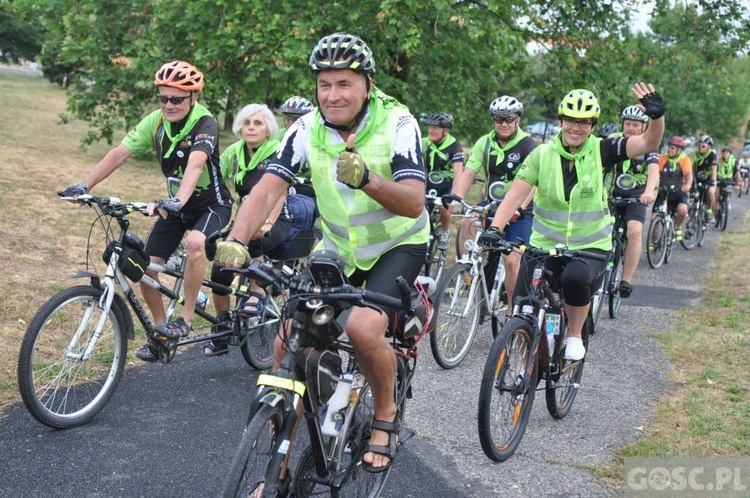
[{"x": 44, "y": 238}]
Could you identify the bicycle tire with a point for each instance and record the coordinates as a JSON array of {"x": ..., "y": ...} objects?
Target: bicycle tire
[
  {"x": 597, "y": 305},
  {"x": 453, "y": 335},
  {"x": 656, "y": 241},
  {"x": 692, "y": 229},
  {"x": 560, "y": 392},
  {"x": 250, "y": 465},
  {"x": 503, "y": 412},
  {"x": 703, "y": 228},
  {"x": 724, "y": 215},
  {"x": 615, "y": 299},
  {"x": 59, "y": 388},
  {"x": 671, "y": 240},
  {"x": 258, "y": 336},
  {"x": 435, "y": 262}
]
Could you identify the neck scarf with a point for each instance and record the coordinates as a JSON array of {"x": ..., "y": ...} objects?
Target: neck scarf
[
  {"x": 266, "y": 149},
  {"x": 378, "y": 102},
  {"x": 436, "y": 150},
  {"x": 500, "y": 151},
  {"x": 558, "y": 147},
  {"x": 197, "y": 112}
]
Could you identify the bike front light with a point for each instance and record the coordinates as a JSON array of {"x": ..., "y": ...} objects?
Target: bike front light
[
  {"x": 322, "y": 314},
  {"x": 314, "y": 303},
  {"x": 469, "y": 245}
]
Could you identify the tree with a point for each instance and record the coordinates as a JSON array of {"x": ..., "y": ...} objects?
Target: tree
[{"x": 19, "y": 39}]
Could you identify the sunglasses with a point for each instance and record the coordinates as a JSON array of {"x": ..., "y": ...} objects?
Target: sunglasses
[
  {"x": 583, "y": 123},
  {"x": 506, "y": 119},
  {"x": 173, "y": 100}
]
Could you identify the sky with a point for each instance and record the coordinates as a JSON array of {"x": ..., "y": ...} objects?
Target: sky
[{"x": 643, "y": 9}]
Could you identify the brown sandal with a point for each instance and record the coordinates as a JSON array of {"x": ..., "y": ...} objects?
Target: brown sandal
[{"x": 392, "y": 429}]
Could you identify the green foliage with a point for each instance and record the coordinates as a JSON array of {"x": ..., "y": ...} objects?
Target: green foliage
[
  {"x": 19, "y": 39},
  {"x": 451, "y": 55}
]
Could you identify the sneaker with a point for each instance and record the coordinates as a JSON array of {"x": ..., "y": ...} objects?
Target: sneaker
[
  {"x": 175, "y": 329},
  {"x": 145, "y": 353},
  {"x": 678, "y": 234},
  {"x": 574, "y": 349},
  {"x": 444, "y": 238},
  {"x": 625, "y": 289}
]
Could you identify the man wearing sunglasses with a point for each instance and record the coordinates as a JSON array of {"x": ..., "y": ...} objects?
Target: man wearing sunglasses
[
  {"x": 635, "y": 178},
  {"x": 185, "y": 137},
  {"x": 498, "y": 156}
]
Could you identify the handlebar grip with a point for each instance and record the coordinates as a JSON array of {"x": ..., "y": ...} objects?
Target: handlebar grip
[{"x": 403, "y": 288}]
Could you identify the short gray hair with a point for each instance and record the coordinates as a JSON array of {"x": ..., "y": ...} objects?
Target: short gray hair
[{"x": 249, "y": 110}]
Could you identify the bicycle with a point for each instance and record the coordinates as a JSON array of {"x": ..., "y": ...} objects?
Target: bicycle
[
  {"x": 464, "y": 299},
  {"x": 317, "y": 355},
  {"x": 696, "y": 224},
  {"x": 523, "y": 354},
  {"x": 723, "y": 206},
  {"x": 436, "y": 257},
  {"x": 610, "y": 289},
  {"x": 661, "y": 234},
  {"x": 75, "y": 348}
]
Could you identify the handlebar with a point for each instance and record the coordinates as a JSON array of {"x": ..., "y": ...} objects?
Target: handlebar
[
  {"x": 559, "y": 251},
  {"x": 112, "y": 206},
  {"x": 266, "y": 274}
]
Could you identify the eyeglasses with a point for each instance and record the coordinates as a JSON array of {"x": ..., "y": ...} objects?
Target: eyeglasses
[
  {"x": 506, "y": 119},
  {"x": 173, "y": 100},
  {"x": 581, "y": 123}
]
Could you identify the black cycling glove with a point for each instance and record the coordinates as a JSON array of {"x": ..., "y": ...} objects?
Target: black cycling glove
[
  {"x": 450, "y": 198},
  {"x": 172, "y": 206},
  {"x": 491, "y": 237},
  {"x": 654, "y": 105}
]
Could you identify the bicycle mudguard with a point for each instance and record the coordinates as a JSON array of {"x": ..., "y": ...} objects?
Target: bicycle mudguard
[{"x": 118, "y": 301}]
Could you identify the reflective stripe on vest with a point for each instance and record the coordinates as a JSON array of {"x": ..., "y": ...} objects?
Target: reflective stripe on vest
[
  {"x": 362, "y": 230},
  {"x": 582, "y": 223}
]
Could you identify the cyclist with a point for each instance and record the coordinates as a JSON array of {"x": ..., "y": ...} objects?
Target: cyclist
[
  {"x": 635, "y": 178},
  {"x": 444, "y": 161},
  {"x": 726, "y": 170},
  {"x": 366, "y": 162},
  {"x": 185, "y": 137},
  {"x": 243, "y": 164},
  {"x": 675, "y": 170},
  {"x": 705, "y": 165},
  {"x": 293, "y": 109},
  {"x": 609, "y": 129},
  {"x": 498, "y": 155},
  {"x": 743, "y": 167},
  {"x": 571, "y": 200}
]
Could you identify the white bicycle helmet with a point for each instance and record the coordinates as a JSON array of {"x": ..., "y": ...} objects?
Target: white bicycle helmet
[
  {"x": 506, "y": 105},
  {"x": 634, "y": 113},
  {"x": 297, "y": 106}
]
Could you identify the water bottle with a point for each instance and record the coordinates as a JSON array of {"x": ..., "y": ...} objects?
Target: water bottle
[
  {"x": 175, "y": 261},
  {"x": 202, "y": 300},
  {"x": 340, "y": 400},
  {"x": 552, "y": 327}
]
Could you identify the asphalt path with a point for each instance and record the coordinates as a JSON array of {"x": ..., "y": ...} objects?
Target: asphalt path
[{"x": 172, "y": 430}]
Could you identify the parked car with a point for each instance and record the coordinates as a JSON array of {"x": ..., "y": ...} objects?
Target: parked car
[{"x": 543, "y": 129}]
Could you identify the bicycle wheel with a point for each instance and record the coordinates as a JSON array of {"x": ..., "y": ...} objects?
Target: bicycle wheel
[
  {"x": 670, "y": 240},
  {"x": 259, "y": 333},
  {"x": 250, "y": 466},
  {"x": 561, "y": 390},
  {"x": 435, "y": 261},
  {"x": 724, "y": 215},
  {"x": 458, "y": 313},
  {"x": 615, "y": 299},
  {"x": 504, "y": 408},
  {"x": 63, "y": 384},
  {"x": 657, "y": 243},
  {"x": 597, "y": 303},
  {"x": 692, "y": 229}
]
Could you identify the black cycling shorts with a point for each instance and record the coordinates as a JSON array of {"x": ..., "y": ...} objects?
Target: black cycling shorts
[
  {"x": 579, "y": 279},
  {"x": 634, "y": 212},
  {"x": 673, "y": 199},
  {"x": 166, "y": 234}
]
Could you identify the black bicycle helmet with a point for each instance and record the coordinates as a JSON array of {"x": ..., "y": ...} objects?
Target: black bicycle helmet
[
  {"x": 441, "y": 119},
  {"x": 342, "y": 51},
  {"x": 706, "y": 139},
  {"x": 727, "y": 147},
  {"x": 297, "y": 106},
  {"x": 608, "y": 129}
]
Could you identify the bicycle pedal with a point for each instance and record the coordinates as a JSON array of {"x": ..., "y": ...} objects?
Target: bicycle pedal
[{"x": 405, "y": 434}]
